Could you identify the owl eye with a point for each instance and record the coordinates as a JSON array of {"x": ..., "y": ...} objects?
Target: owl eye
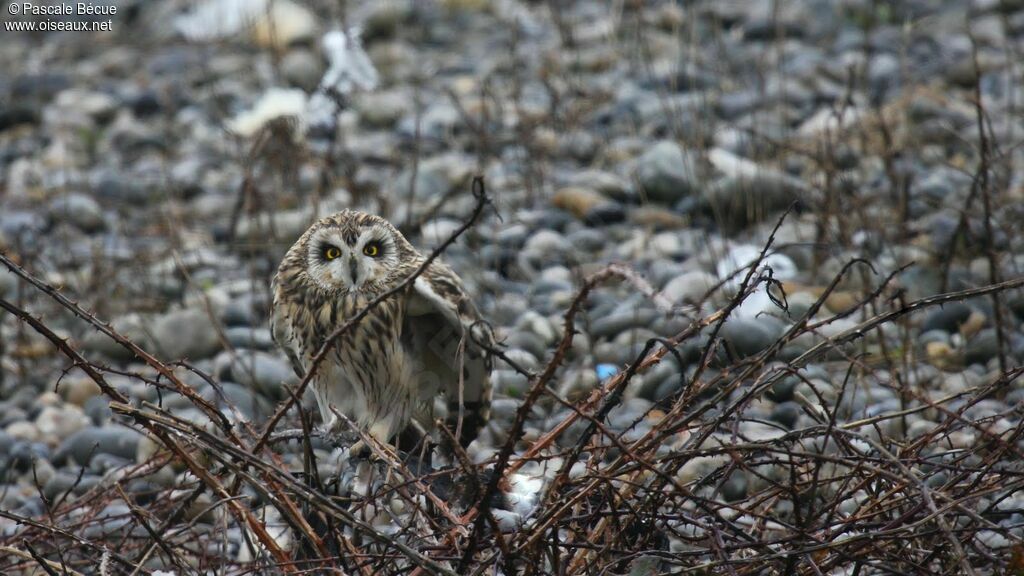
[
  {"x": 331, "y": 252},
  {"x": 372, "y": 249}
]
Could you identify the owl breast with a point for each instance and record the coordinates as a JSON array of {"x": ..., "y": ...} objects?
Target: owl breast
[{"x": 368, "y": 376}]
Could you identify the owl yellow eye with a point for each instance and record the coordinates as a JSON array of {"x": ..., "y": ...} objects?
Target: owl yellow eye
[
  {"x": 331, "y": 252},
  {"x": 372, "y": 249}
]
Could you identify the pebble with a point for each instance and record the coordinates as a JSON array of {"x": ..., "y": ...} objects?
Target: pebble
[
  {"x": 60, "y": 422},
  {"x": 302, "y": 69},
  {"x": 79, "y": 390},
  {"x": 187, "y": 333},
  {"x": 690, "y": 287},
  {"x": 620, "y": 322},
  {"x": 261, "y": 371},
  {"x": 667, "y": 173},
  {"x": 948, "y": 318},
  {"x": 131, "y": 326},
  {"x": 8, "y": 283},
  {"x": 746, "y": 337},
  {"x": 982, "y": 348},
  {"x": 245, "y": 337},
  {"x": 89, "y": 441},
  {"x": 80, "y": 210}
]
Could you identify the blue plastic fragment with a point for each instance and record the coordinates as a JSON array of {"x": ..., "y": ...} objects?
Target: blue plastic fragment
[{"x": 606, "y": 371}]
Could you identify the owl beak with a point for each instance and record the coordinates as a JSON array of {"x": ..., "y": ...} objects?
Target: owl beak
[{"x": 353, "y": 268}]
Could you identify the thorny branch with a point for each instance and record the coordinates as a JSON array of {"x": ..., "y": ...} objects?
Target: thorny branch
[{"x": 610, "y": 497}]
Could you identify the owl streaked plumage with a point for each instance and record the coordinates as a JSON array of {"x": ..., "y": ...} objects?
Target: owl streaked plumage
[{"x": 387, "y": 371}]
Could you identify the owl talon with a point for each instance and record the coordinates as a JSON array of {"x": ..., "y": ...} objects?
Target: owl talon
[{"x": 360, "y": 450}]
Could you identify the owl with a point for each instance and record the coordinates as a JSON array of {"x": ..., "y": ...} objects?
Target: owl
[{"x": 411, "y": 357}]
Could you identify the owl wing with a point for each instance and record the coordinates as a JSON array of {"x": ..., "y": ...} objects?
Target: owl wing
[
  {"x": 281, "y": 329},
  {"x": 439, "y": 321}
]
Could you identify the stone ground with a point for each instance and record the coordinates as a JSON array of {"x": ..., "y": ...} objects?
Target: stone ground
[{"x": 137, "y": 175}]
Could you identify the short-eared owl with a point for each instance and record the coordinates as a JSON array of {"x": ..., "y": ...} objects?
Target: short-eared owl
[{"x": 386, "y": 372}]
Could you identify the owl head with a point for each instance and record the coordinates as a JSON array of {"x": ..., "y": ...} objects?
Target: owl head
[{"x": 355, "y": 252}]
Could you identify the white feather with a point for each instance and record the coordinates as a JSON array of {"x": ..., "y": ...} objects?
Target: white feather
[{"x": 274, "y": 103}]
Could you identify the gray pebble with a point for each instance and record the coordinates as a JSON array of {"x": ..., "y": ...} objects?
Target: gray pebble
[
  {"x": 245, "y": 337},
  {"x": 302, "y": 68},
  {"x": 79, "y": 210},
  {"x": 787, "y": 414},
  {"x": 667, "y": 173},
  {"x": 187, "y": 333},
  {"x": 983, "y": 347},
  {"x": 260, "y": 371},
  {"x": 948, "y": 317},
  {"x": 132, "y": 326},
  {"x": 115, "y": 440}
]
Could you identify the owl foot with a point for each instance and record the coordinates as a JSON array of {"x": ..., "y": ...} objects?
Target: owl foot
[{"x": 360, "y": 450}]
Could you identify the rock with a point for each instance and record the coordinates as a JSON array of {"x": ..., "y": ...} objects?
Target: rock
[
  {"x": 436, "y": 177},
  {"x": 241, "y": 311},
  {"x": 25, "y": 455},
  {"x": 79, "y": 210},
  {"x": 245, "y": 337},
  {"x": 382, "y": 109},
  {"x": 60, "y": 422},
  {"x": 383, "y": 19},
  {"x": 576, "y": 384},
  {"x": 13, "y": 115},
  {"x": 103, "y": 463},
  {"x": 578, "y": 201},
  {"x": 63, "y": 483},
  {"x": 612, "y": 325},
  {"x": 783, "y": 390},
  {"x": 689, "y": 287},
  {"x": 21, "y": 223},
  {"x": 982, "y": 348},
  {"x": 187, "y": 333},
  {"x": 254, "y": 407},
  {"x": 266, "y": 373},
  {"x": 84, "y": 444},
  {"x": 145, "y": 103},
  {"x": 6, "y": 443},
  {"x": 606, "y": 184},
  {"x": 79, "y": 390},
  {"x": 438, "y": 122},
  {"x": 302, "y": 68},
  {"x": 283, "y": 23},
  {"x": 434, "y": 232},
  {"x": 732, "y": 105},
  {"x": 800, "y": 303},
  {"x": 76, "y": 101},
  {"x": 22, "y": 431},
  {"x": 747, "y": 337},
  {"x": 749, "y": 193},
  {"x": 948, "y": 317},
  {"x": 735, "y": 488},
  {"x": 578, "y": 144},
  {"x": 117, "y": 187},
  {"x": 39, "y": 86},
  {"x": 98, "y": 410},
  {"x": 667, "y": 173},
  {"x": 883, "y": 74},
  {"x": 8, "y": 283},
  {"x": 546, "y": 244},
  {"x": 787, "y": 414},
  {"x": 605, "y": 214}
]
